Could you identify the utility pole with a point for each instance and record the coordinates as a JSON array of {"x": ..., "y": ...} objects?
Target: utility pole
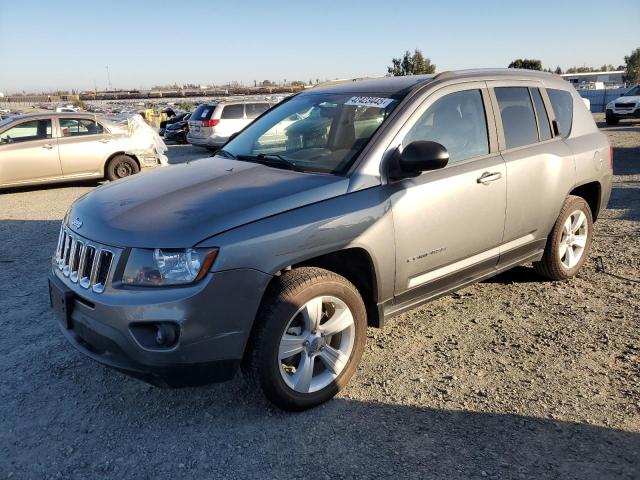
[{"x": 108, "y": 78}]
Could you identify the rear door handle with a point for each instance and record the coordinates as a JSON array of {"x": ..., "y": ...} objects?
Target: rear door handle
[
  {"x": 488, "y": 177},
  {"x": 105, "y": 140},
  {"x": 48, "y": 146}
]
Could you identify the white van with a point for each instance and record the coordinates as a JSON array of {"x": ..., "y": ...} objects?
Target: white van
[{"x": 212, "y": 124}]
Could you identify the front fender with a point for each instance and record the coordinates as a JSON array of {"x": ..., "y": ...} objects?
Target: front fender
[{"x": 360, "y": 219}]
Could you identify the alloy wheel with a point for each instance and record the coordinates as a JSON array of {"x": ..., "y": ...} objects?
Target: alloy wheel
[
  {"x": 574, "y": 239},
  {"x": 317, "y": 344}
]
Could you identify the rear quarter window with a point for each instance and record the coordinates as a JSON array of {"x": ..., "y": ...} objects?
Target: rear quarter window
[
  {"x": 233, "y": 112},
  {"x": 562, "y": 103}
]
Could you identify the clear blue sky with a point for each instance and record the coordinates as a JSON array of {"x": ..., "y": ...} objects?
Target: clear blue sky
[{"x": 67, "y": 44}]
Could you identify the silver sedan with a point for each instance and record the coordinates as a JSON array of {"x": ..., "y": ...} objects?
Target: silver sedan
[{"x": 48, "y": 147}]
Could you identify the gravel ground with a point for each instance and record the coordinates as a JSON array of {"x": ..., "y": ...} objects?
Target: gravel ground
[{"x": 511, "y": 378}]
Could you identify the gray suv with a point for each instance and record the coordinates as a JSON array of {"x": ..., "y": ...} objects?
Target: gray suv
[{"x": 375, "y": 197}]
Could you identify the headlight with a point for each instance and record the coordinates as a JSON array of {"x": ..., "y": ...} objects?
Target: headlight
[
  {"x": 609, "y": 106},
  {"x": 162, "y": 266}
]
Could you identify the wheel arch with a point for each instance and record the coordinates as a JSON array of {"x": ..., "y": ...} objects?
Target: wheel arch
[
  {"x": 591, "y": 193},
  {"x": 115, "y": 154}
]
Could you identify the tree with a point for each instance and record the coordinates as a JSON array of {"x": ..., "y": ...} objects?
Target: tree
[
  {"x": 632, "y": 67},
  {"x": 558, "y": 70},
  {"x": 411, "y": 64},
  {"x": 526, "y": 63},
  {"x": 297, "y": 83}
]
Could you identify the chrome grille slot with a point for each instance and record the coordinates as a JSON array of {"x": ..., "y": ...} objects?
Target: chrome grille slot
[
  {"x": 66, "y": 269},
  {"x": 102, "y": 271},
  {"x": 87, "y": 266},
  {"x": 76, "y": 260},
  {"x": 84, "y": 262}
]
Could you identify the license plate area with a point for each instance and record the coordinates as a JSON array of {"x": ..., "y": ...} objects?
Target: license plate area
[{"x": 62, "y": 300}]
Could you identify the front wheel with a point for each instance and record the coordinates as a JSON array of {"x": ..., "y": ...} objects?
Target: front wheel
[
  {"x": 308, "y": 340},
  {"x": 121, "y": 166},
  {"x": 611, "y": 120},
  {"x": 568, "y": 244}
]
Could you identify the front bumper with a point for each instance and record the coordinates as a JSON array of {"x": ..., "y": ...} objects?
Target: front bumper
[
  {"x": 214, "y": 320},
  {"x": 615, "y": 113}
]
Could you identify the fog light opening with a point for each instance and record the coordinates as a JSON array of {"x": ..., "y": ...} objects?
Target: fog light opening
[{"x": 166, "y": 335}]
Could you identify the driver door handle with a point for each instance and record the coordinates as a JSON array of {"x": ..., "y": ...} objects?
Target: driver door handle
[
  {"x": 48, "y": 146},
  {"x": 105, "y": 140},
  {"x": 488, "y": 177}
]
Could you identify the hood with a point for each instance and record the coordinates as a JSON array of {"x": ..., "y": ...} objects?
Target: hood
[
  {"x": 180, "y": 205},
  {"x": 629, "y": 99}
]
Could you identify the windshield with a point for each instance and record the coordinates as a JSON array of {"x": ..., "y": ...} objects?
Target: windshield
[
  {"x": 314, "y": 132},
  {"x": 634, "y": 91}
]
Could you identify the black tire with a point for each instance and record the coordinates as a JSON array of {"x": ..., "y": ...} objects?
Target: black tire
[
  {"x": 551, "y": 265},
  {"x": 612, "y": 120},
  {"x": 121, "y": 166},
  {"x": 285, "y": 296}
]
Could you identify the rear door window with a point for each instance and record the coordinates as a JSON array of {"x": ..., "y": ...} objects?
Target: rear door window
[
  {"x": 233, "y": 112},
  {"x": 541, "y": 114},
  {"x": 26, "y": 131},
  {"x": 203, "y": 112},
  {"x": 562, "y": 103},
  {"x": 73, "y": 127},
  {"x": 518, "y": 118},
  {"x": 254, "y": 110}
]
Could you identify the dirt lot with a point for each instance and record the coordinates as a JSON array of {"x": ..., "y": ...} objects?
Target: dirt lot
[{"x": 511, "y": 378}]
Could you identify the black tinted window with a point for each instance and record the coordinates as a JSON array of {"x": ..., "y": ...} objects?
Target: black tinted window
[
  {"x": 203, "y": 112},
  {"x": 518, "y": 119},
  {"x": 562, "y": 103},
  {"x": 72, "y": 127},
  {"x": 25, "y": 131},
  {"x": 233, "y": 111},
  {"x": 456, "y": 121},
  {"x": 254, "y": 110},
  {"x": 541, "y": 113}
]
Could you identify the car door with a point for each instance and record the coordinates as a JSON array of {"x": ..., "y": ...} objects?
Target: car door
[
  {"x": 29, "y": 153},
  {"x": 84, "y": 144},
  {"x": 540, "y": 167},
  {"x": 449, "y": 223}
]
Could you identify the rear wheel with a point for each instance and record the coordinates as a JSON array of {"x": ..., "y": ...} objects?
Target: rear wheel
[
  {"x": 568, "y": 244},
  {"x": 121, "y": 166},
  {"x": 308, "y": 340}
]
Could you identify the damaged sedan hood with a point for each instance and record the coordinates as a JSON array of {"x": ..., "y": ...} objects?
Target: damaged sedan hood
[{"x": 181, "y": 205}]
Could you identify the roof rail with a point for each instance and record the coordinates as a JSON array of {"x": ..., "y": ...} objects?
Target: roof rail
[{"x": 339, "y": 81}]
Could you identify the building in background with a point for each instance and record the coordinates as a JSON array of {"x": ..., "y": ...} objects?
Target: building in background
[{"x": 609, "y": 79}]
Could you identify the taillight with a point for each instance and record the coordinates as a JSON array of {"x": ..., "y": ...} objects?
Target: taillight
[
  {"x": 611, "y": 156},
  {"x": 210, "y": 123}
]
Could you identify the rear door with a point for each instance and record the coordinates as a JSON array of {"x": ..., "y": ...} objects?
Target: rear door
[
  {"x": 29, "y": 153},
  {"x": 540, "y": 166},
  {"x": 232, "y": 120},
  {"x": 84, "y": 146}
]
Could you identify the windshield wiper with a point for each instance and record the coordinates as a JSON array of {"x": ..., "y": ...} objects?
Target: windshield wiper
[
  {"x": 224, "y": 153},
  {"x": 272, "y": 160}
]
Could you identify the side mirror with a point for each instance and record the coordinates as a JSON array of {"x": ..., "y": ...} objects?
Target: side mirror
[{"x": 420, "y": 156}]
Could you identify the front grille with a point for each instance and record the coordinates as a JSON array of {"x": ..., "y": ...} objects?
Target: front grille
[
  {"x": 625, "y": 105},
  {"x": 86, "y": 263}
]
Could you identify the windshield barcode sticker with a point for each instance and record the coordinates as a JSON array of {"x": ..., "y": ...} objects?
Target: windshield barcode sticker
[{"x": 377, "y": 102}]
